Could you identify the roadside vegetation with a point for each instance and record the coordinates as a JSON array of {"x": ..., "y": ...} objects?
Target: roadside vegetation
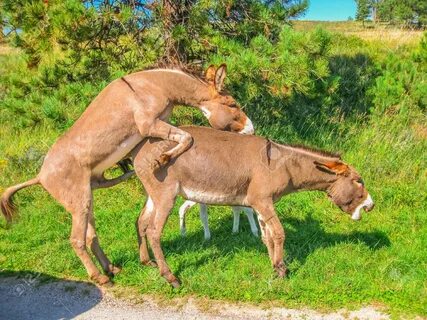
[{"x": 328, "y": 89}]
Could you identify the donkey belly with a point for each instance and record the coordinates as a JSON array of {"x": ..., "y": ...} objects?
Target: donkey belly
[
  {"x": 212, "y": 197},
  {"x": 118, "y": 154}
]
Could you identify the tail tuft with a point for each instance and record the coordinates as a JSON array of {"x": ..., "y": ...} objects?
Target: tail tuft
[{"x": 7, "y": 206}]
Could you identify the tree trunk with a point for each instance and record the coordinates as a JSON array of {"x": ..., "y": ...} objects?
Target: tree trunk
[
  {"x": 374, "y": 14},
  {"x": 174, "y": 13},
  {"x": 170, "y": 53}
]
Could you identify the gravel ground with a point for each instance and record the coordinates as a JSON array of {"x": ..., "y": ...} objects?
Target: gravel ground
[{"x": 29, "y": 298}]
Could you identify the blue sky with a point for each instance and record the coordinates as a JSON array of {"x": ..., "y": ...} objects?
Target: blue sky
[{"x": 331, "y": 10}]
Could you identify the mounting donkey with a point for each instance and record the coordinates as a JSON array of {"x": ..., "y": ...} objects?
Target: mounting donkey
[
  {"x": 122, "y": 115},
  {"x": 209, "y": 173}
]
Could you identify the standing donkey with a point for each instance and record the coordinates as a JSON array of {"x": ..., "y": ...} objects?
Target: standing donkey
[
  {"x": 122, "y": 115},
  {"x": 188, "y": 204},
  {"x": 208, "y": 173}
]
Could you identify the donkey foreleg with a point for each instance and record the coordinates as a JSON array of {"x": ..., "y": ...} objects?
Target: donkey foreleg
[
  {"x": 273, "y": 234},
  {"x": 236, "y": 218},
  {"x": 163, "y": 130},
  {"x": 266, "y": 239},
  {"x": 182, "y": 212},
  {"x": 250, "y": 214},
  {"x": 204, "y": 219}
]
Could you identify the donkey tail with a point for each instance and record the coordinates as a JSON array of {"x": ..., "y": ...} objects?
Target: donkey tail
[{"x": 6, "y": 202}]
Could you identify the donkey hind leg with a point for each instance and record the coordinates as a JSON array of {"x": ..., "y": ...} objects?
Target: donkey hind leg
[
  {"x": 236, "y": 218},
  {"x": 250, "y": 214},
  {"x": 141, "y": 227},
  {"x": 93, "y": 243},
  {"x": 204, "y": 219},
  {"x": 154, "y": 232},
  {"x": 182, "y": 212},
  {"x": 80, "y": 215},
  {"x": 274, "y": 234},
  {"x": 77, "y": 199}
]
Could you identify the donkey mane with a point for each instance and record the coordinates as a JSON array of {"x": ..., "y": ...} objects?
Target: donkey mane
[
  {"x": 317, "y": 151},
  {"x": 194, "y": 72},
  {"x": 300, "y": 147}
]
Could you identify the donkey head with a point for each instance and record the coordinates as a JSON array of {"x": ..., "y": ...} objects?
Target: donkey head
[
  {"x": 348, "y": 191},
  {"x": 221, "y": 110}
]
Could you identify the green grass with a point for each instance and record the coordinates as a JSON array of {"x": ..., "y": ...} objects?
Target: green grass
[{"x": 334, "y": 262}]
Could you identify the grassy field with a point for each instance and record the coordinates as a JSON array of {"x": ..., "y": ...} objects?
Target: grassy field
[
  {"x": 390, "y": 37},
  {"x": 334, "y": 262}
]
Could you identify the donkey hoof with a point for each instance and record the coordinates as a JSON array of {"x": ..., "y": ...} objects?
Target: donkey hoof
[
  {"x": 155, "y": 165},
  {"x": 161, "y": 162},
  {"x": 175, "y": 283},
  {"x": 114, "y": 270},
  {"x": 281, "y": 270},
  {"x": 103, "y": 280},
  {"x": 164, "y": 158},
  {"x": 149, "y": 263}
]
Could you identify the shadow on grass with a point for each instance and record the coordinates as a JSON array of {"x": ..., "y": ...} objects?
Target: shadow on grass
[
  {"x": 303, "y": 237},
  {"x": 34, "y": 295},
  {"x": 308, "y": 236}
]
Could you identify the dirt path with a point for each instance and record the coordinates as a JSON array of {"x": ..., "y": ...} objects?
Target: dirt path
[{"x": 28, "y": 298}]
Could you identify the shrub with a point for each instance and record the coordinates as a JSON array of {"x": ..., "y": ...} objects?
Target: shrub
[{"x": 403, "y": 83}]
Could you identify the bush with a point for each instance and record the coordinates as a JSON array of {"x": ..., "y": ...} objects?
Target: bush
[{"x": 404, "y": 82}]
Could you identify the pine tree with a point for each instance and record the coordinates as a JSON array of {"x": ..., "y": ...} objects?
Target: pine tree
[
  {"x": 189, "y": 24},
  {"x": 94, "y": 38},
  {"x": 363, "y": 10},
  {"x": 411, "y": 13}
]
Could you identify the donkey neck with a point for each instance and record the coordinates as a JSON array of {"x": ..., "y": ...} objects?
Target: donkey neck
[
  {"x": 304, "y": 174},
  {"x": 179, "y": 87}
]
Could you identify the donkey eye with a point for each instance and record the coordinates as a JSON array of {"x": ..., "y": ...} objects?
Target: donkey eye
[
  {"x": 348, "y": 202},
  {"x": 360, "y": 181}
]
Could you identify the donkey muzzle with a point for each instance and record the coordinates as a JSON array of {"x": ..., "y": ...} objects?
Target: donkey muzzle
[
  {"x": 367, "y": 205},
  {"x": 249, "y": 128}
]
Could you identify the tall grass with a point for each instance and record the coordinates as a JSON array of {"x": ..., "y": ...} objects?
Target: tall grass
[{"x": 389, "y": 36}]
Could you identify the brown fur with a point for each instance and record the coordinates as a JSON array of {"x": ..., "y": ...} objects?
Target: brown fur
[
  {"x": 122, "y": 115},
  {"x": 318, "y": 151},
  {"x": 224, "y": 168},
  {"x": 6, "y": 202}
]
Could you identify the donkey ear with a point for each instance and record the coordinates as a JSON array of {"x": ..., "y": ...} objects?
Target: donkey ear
[
  {"x": 336, "y": 167},
  {"x": 220, "y": 74},
  {"x": 210, "y": 74}
]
